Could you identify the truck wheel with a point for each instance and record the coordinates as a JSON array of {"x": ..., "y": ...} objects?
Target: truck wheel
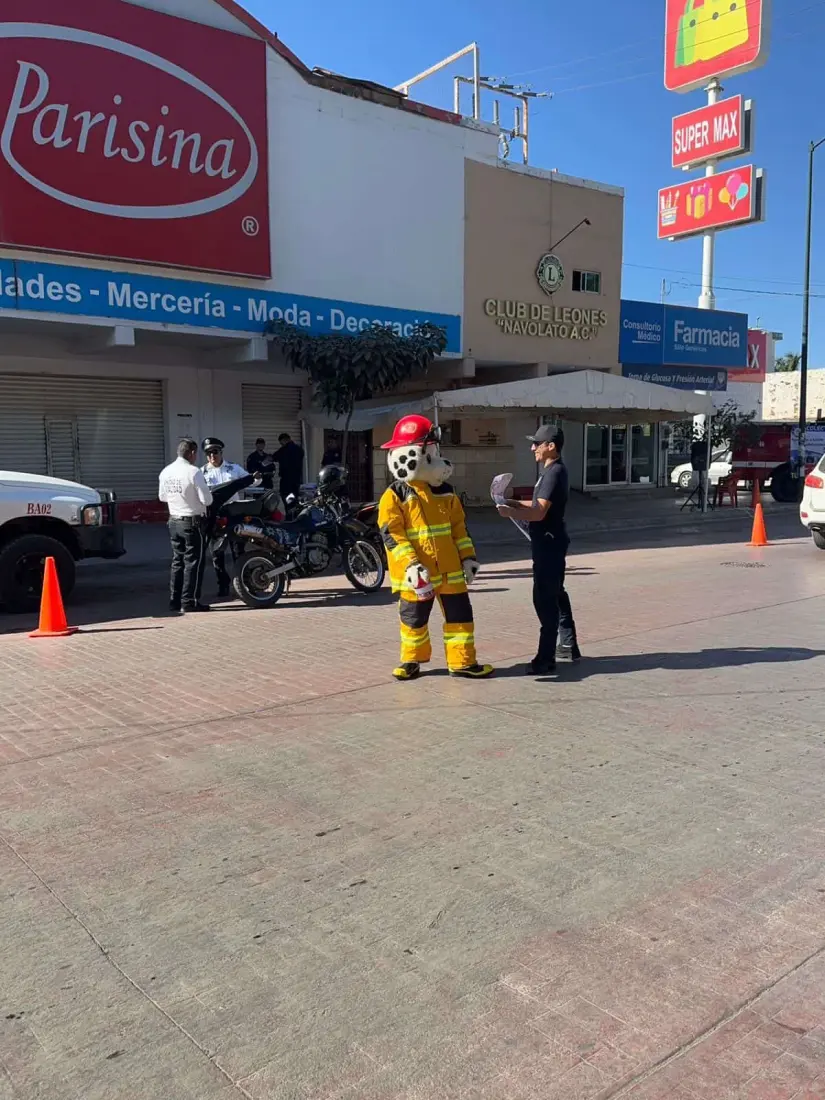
[
  {"x": 785, "y": 488},
  {"x": 819, "y": 539},
  {"x": 21, "y": 570}
]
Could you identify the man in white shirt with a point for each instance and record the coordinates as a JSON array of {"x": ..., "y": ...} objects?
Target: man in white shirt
[
  {"x": 218, "y": 471},
  {"x": 183, "y": 488}
]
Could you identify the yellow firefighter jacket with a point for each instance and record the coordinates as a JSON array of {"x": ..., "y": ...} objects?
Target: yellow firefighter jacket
[{"x": 425, "y": 524}]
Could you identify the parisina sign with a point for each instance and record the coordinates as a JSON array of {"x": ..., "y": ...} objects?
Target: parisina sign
[
  {"x": 59, "y": 289},
  {"x": 556, "y": 322},
  {"x": 131, "y": 134}
]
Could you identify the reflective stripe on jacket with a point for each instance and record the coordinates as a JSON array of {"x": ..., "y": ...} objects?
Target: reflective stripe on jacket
[{"x": 425, "y": 523}]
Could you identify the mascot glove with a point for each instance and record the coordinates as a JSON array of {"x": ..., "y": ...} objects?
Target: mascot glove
[
  {"x": 417, "y": 578},
  {"x": 471, "y": 568}
]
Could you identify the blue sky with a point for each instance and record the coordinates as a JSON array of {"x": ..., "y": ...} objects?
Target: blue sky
[{"x": 609, "y": 120}]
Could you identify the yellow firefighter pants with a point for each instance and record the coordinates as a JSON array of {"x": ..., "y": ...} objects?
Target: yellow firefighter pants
[{"x": 459, "y": 637}]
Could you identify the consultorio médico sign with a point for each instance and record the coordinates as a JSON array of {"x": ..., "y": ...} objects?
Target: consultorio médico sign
[{"x": 557, "y": 322}]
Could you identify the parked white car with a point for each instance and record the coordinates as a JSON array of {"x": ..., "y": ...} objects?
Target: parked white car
[
  {"x": 44, "y": 517},
  {"x": 720, "y": 467},
  {"x": 812, "y": 506}
]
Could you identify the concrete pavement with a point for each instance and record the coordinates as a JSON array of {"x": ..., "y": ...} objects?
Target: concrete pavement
[{"x": 237, "y": 861}]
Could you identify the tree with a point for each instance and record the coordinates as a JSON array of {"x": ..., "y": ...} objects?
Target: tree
[
  {"x": 788, "y": 363},
  {"x": 729, "y": 425},
  {"x": 348, "y": 368}
]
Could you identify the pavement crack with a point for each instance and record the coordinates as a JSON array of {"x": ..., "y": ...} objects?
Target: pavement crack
[
  {"x": 625, "y": 1087},
  {"x": 76, "y": 917}
]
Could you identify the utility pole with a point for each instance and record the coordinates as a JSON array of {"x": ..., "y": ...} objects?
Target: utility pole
[{"x": 806, "y": 309}]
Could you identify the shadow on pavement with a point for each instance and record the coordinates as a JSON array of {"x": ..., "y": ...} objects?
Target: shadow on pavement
[{"x": 674, "y": 662}]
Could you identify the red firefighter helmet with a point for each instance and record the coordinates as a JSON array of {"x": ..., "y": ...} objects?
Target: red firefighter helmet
[{"x": 412, "y": 431}]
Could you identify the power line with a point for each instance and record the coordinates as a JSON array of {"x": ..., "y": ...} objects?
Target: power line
[
  {"x": 743, "y": 278},
  {"x": 818, "y": 4}
]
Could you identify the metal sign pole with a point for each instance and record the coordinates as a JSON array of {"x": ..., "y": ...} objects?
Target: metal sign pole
[{"x": 707, "y": 299}]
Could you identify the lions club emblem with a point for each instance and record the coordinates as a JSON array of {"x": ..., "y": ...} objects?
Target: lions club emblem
[{"x": 550, "y": 273}]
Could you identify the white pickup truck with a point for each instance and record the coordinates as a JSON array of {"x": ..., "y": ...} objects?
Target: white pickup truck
[{"x": 44, "y": 517}]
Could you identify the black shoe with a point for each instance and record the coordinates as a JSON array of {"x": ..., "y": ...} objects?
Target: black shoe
[
  {"x": 473, "y": 672},
  {"x": 197, "y": 607},
  {"x": 408, "y": 670},
  {"x": 568, "y": 652},
  {"x": 174, "y": 607},
  {"x": 540, "y": 668}
]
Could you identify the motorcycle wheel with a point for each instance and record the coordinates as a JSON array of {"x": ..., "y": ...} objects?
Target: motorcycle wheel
[
  {"x": 363, "y": 566},
  {"x": 252, "y": 585}
]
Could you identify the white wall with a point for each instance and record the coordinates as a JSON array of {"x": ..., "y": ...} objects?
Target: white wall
[
  {"x": 747, "y": 395},
  {"x": 367, "y": 201}
]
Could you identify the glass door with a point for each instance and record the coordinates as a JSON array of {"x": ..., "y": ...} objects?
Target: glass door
[
  {"x": 618, "y": 454},
  {"x": 597, "y": 469},
  {"x": 642, "y": 454}
]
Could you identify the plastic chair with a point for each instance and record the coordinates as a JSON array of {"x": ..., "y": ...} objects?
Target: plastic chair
[{"x": 728, "y": 486}]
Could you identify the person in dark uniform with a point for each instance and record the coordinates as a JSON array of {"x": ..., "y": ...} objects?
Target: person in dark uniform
[
  {"x": 549, "y": 543},
  {"x": 259, "y": 461},
  {"x": 290, "y": 459}
]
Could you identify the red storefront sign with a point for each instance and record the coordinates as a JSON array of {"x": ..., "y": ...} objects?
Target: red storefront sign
[
  {"x": 713, "y": 38},
  {"x": 711, "y": 133},
  {"x": 134, "y": 135},
  {"x": 712, "y": 202},
  {"x": 757, "y": 359}
]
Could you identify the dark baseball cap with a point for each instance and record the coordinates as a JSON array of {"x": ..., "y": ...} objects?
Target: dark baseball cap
[{"x": 548, "y": 433}]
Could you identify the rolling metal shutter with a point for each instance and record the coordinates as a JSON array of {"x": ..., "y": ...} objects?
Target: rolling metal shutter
[
  {"x": 268, "y": 411},
  {"x": 108, "y": 431}
]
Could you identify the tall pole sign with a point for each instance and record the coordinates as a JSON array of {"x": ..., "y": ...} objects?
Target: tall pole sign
[{"x": 705, "y": 41}]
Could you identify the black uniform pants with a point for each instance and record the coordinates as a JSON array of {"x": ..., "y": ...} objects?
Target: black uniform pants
[
  {"x": 188, "y": 537},
  {"x": 221, "y": 572},
  {"x": 550, "y": 598},
  {"x": 289, "y": 485}
]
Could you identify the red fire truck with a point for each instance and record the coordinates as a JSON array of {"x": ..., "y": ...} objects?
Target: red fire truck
[{"x": 764, "y": 453}]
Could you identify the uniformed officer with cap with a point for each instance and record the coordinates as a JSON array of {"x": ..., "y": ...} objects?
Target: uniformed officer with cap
[
  {"x": 549, "y": 541},
  {"x": 218, "y": 471}
]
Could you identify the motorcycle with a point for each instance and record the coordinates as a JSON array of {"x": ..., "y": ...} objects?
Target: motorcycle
[{"x": 269, "y": 550}]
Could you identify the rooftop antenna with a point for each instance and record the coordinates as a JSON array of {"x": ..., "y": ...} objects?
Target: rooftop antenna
[
  {"x": 523, "y": 93},
  {"x": 404, "y": 88}
]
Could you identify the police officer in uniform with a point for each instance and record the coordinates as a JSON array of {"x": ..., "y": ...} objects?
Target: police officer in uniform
[
  {"x": 183, "y": 489},
  {"x": 216, "y": 472},
  {"x": 549, "y": 542}
]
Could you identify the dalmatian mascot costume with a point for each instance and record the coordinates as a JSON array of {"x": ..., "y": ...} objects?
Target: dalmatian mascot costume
[{"x": 430, "y": 554}]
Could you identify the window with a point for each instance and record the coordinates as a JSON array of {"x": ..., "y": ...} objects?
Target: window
[{"x": 588, "y": 282}]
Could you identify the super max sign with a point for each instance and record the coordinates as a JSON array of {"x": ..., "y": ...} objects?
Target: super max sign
[
  {"x": 678, "y": 336},
  {"x": 93, "y": 292}
]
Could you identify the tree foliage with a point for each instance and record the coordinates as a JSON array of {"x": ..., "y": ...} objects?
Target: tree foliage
[
  {"x": 344, "y": 369},
  {"x": 788, "y": 363},
  {"x": 729, "y": 425}
]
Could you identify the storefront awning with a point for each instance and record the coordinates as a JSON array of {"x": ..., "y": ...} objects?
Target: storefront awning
[{"x": 588, "y": 396}]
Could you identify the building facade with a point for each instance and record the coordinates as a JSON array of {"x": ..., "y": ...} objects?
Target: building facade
[
  {"x": 542, "y": 289},
  {"x": 193, "y": 183}
]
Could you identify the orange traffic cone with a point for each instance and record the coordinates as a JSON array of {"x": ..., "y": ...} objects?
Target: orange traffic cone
[
  {"x": 52, "y": 616},
  {"x": 759, "y": 536}
]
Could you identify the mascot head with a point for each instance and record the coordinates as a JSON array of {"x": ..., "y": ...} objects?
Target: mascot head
[{"x": 414, "y": 452}]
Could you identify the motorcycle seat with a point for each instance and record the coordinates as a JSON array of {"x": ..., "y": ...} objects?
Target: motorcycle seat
[
  {"x": 297, "y": 526},
  {"x": 244, "y": 508}
]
